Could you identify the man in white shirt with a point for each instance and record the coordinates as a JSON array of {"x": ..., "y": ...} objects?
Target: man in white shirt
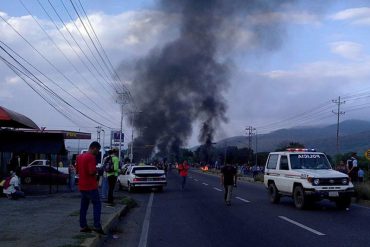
[
  {"x": 352, "y": 168},
  {"x": 14, "y": 190}
]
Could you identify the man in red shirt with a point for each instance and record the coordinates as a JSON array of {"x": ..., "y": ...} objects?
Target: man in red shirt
[
  {"x": 88, "y": 186},
  {"x": 183, "y": 170}
]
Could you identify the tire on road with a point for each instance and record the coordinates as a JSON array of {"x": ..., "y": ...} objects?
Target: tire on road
[
  {"x": 300, "y": 199},
  {"x": 160, "y": 189},
  {"x": 273, "y": 193},
  {"x": 343, "y": 202}
]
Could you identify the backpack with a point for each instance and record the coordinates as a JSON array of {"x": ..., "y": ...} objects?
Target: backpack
[
  {"x": 108, "y": 164},
  {"x": 7, "y": 183}
]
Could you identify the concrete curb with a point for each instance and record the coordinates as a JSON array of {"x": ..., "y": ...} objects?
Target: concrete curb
[{"x": 113, "y": 219}]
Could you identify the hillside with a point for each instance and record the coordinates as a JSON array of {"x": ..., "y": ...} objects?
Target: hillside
[{"x": 354, "y": 136}]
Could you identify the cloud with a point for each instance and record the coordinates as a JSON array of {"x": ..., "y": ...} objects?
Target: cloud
[
  {"x": 358, "y": 16},
  {"x": 347, "y": 49},
  {"x": 291, "y": 17}
]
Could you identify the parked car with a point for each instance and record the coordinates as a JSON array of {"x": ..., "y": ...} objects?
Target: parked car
[
  {"x": 47, "y": 163},
  {"x": 41, "y": 174},
  {"x": 134, "y": 176}
]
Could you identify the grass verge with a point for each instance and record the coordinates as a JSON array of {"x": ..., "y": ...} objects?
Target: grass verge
[{"x": 128, "y": 201}]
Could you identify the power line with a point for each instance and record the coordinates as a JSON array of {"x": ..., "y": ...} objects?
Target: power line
[
  {"x": 66, "y": 57},
  {"x": 34, "y": 78},
  {"x": 102, "y": 48},
  {"x": 76, "y": 53},
  {"x": 92, "y": 41},
  {"x": 2, "y": 48}
]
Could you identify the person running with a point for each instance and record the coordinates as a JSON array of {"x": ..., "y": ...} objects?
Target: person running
[
  {"x": 228, "y": 180},
  {"x": 88, "y": 186},
  {"x": 112, "y": 176},
  {"x": 183, "y": 171}
]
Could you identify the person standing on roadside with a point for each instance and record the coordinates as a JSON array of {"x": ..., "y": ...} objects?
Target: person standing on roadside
[
  {"x": 183, "y": 171},
  {"x": 112, "y": 176},
  {"x": 352, "y": 167},
  {"x": 88, "y": 186},
  {"x": 228, "y": 180}
]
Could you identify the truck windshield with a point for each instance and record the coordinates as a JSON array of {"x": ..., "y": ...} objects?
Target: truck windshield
[{"x": 309, "y": 161}]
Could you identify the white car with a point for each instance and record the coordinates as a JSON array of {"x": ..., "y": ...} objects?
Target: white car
[
  {"x": 142, "y": 176},
  {"x": 307, "y": 176}
]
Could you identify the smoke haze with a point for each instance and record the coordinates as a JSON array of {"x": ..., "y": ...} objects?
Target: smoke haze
[{"x": 183, "y": 82}]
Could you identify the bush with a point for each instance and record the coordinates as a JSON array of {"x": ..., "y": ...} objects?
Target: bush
[
  {"x": 363, "y": 191},
  {"x": 258, "y": 177}
]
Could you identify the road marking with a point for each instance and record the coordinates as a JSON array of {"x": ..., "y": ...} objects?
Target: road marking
[
  {"x": 302, "y": 226},
  {"x": 145, "y": 230},
  {"x": 217, "y": 189},
  {"x": 196, "y": 180},
  {"x": 205, "y": 184},
  {"x": 241, "y": 199}
]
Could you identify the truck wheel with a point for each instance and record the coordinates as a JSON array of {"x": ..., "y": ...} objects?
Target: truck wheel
[
  {"x": 343, "y": 202},
  {"x": 300, "y": 200},
  {"x": 273, "y": 193},
  {"x": 160, "y": 189}
]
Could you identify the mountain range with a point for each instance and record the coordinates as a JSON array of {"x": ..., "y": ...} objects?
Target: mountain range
[{"x": 354, "y": 136}]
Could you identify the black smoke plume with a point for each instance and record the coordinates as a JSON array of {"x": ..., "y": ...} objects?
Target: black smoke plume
[{"x": 184, "y": 81}]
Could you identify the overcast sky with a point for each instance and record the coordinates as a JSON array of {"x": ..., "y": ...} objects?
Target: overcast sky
[{"x": 322, "y": 52}]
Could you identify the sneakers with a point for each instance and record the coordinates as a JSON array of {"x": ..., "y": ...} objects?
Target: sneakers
[
  {"x": 86, "y": 229},
  {"x": 99, "y": 231}
]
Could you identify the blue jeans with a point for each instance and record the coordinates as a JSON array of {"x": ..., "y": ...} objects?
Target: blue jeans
[
  {"x": 183, "y": 182},
  {"x": 86, "y": 197},
  {"x": 104, "y": 187}
]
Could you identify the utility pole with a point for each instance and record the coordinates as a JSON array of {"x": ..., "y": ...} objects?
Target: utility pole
[
  {"x": 338, "y": 102},
  {"x": 249, "y": 130},
  {"x": 98, "y": 130},
  {"x": 256, "y": 146},
  {"x": 122, "y": 101}
]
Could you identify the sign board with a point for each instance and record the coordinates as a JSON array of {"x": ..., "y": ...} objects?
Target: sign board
[
  {"x": 116, "y": 137},
  {"x": 367, "y": 154}
]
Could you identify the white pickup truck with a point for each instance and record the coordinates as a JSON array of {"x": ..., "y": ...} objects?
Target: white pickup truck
[
  {"x": 307, "y": 176},
  {"x": 47, "y": 163}
]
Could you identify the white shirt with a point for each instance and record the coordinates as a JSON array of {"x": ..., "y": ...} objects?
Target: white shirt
[
  {"x": 14, "y": 182},
  {"x": 354, "y": 163}
]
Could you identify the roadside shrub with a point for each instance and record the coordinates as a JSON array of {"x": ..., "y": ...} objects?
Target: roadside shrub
[
  {"x": 363, "y": 191},
  {"x": 258, "y": 177}
]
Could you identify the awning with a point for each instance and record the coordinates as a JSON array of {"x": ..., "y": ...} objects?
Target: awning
[
  {"x": 12, "y": 119},
  {"x": 41, "y": 143}
]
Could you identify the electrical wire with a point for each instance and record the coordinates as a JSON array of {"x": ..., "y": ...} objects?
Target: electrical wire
[{"x": 68, "y": 60}]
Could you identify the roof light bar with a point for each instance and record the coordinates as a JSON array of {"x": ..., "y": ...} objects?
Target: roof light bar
[{"x": 301, "y": 150}]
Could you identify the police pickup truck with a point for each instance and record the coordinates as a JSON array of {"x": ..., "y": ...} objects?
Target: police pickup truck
[{"x": 306, "y": 176}]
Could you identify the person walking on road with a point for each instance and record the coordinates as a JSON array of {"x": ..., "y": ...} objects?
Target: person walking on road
[
  {"x": 112, "y": 176},
  {"x": 183, "y": 171},
  {"x": 228, "y": 180},
  {"x": 88, "y": 186}
]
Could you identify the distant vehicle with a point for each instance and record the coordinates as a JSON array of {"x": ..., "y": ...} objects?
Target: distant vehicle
[
  {"x": 307, "y": 176},
  {"x": 47, "y": 163},
  {"x": 133, "y": 177},
  {"x": 42, "y": 174}
]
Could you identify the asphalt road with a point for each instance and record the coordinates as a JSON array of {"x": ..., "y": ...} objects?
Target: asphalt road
[{"x": 198, "y": 216}]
